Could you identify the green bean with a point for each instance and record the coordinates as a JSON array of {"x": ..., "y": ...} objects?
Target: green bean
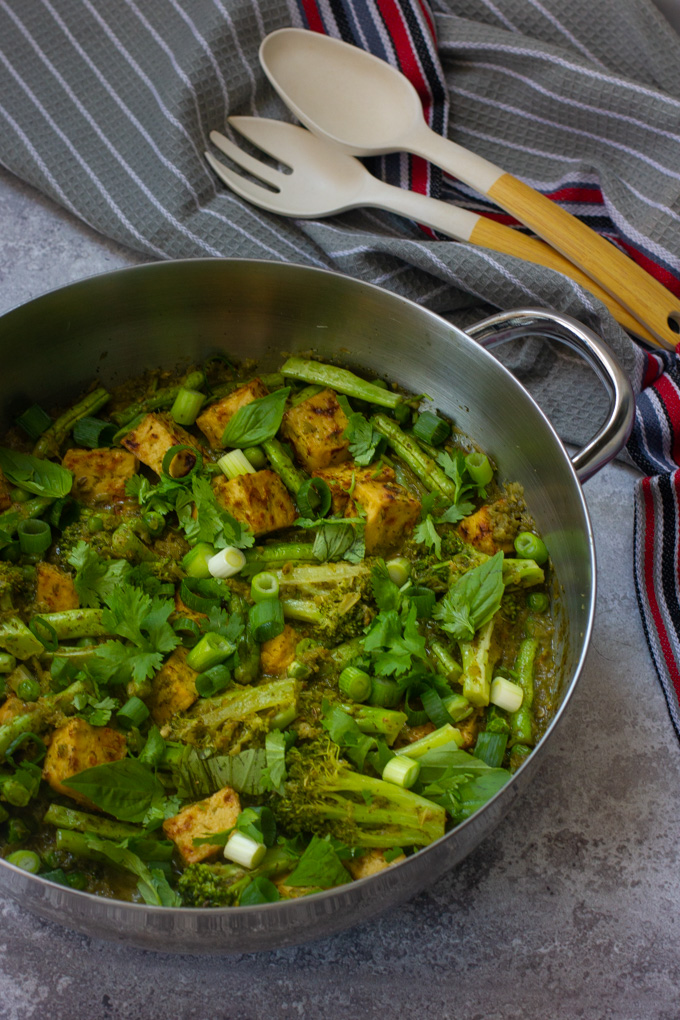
[
  {"x": 423, "y": 466},
  {"x": 51, "y": 440},
  {"x": 69, "y": 624},
  {"x": 341, "y": 380}
]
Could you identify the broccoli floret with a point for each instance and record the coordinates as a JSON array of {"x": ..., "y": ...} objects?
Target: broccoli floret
[
  {"x": 221, "y": 885},
  {"x": 479, "y": 657},
  {"x": 17, "y": 586},
  {"x": 241, "y": 716},
  {"x": 35, "y": 717},
  {"x": 324, "y": 796},
  {"x": 332, "y": 598},
  {"x": 209, "y": 885}
]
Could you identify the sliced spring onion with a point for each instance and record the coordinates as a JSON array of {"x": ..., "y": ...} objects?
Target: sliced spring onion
[
  {"x": 213, "y": 681},
  {"x": 34, "y": 421},
  {"x": 479, "y": 468},
  {"x": 355, "y": 684},
  {"x": 186, "y": 406},
  {"x": 313, "y": 498},
  {"x": 298, "y": 670},
  {"x": 154, "y": 522},
  {"x": 45, "y": 633},
  {"x": 264, "y": 585},
  {"x": 447, "y": 734},
  {"x": 399, "y": 570},
  {"x": 256, "y": 456},
  {"x": 244, "y": 851},
  {"x": 35, "y": 536},
  {"x": 414, "y": 716},
  {"x": 210, "y": 651},
  {"x": 538, "y": 602},
  {"x": 490, "y": 748},
  {"x": 194, "y": 462},
  {"x": 28, "y": 689},
  {"x": 195, "y": 562},
  {"x": 434, "y": 706},
  {"x": 27, "y": 860},
  {"x": 195, "y": 594},
  {"x": 385, "y": 693},
  {"x": 401, "y": 771},
  {"x": 530, "y": 547},
  {"x": 235, "y": 463},
  {"x": 266, "y": 620},
  {"x": 195, "y": 380},
  {"x": 505, "y": 694},
  {"x": 7, "y": 662},
  {"x": 431, "y": 429},
  {"x": 423, "y": 599},
  {"x": 133, "y": 713},
  {"x": 226, "y": 562},
  {"x": 22, "y": 739},
  {"x": 457, "y": 706},
  {"x": 93, "y": 433},
  {"x": 187, "y": 630}
]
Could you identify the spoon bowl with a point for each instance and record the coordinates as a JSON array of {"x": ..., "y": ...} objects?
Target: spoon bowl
[{"x": 366, "y": 107}]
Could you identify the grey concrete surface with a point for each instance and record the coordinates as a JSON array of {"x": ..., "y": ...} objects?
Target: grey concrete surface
[{"x": 569, "y": 910}]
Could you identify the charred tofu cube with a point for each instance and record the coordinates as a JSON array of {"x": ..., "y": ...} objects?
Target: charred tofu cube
[
  {"x": 173, "y": 689},
  {"x": 55, "y": 589},
  {"x": 342, "y": 479},
  {"x": 371, "y": 863},
  {"x": 260, "y": 500},
  {"x": 480, "y": 531},
  {"x": 214, "y": 420},
  {"x": 277, "y": 654},
  {"x": 5, "y": 489},
  {"x": 215, "y": 814},
  {"x": 153, "y": 437},
  {"x": 99, "y": 476},
  {"x": 78, "y": 746},
  {"x": 315, "y": 428},
  {"x": 391, "y": 512}
]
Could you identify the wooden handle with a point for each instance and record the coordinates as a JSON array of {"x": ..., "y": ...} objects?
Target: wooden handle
[
  {"x": 647, "y": 300},
  {"x": 489, "y": 234}
]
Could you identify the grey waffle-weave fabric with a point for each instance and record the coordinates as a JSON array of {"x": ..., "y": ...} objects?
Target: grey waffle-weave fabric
[{"x": 106, "y": 107}]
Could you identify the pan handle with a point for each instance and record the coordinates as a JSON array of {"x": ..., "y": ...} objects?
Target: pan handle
[{"x": 613, "y": 435}]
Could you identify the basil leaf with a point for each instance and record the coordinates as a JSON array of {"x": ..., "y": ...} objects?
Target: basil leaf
[
  {"x": 259, "y": 890},
  {"x": 473, "y": 600},
  {"x": 125, "y": 789},
  {"x": 337, "y": 539},
  {"x": 257, "y": 421},
  {"x": 43, "y": 477},
  {"x": 319, "y": 866}
]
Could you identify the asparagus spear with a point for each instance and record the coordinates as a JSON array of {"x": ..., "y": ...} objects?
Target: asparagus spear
[
  {"x": 522, "y": 721},
  {"x": 290, "y": 475}
]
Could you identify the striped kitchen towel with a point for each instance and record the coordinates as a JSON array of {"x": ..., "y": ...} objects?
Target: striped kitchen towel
[{"x": 106, "y": 107}]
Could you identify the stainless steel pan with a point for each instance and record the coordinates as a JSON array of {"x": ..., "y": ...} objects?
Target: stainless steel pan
[{"x": 116, "y": 325}]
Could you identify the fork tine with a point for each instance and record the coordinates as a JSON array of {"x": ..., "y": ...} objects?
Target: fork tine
[
  {"x": 254, "y": 166},
  {"x": 241, "y": 186},
  {"x": 279, "y": 139}
]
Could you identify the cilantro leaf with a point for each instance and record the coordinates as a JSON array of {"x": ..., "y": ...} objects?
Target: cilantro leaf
[
  {"x": 393, "y": 640},
  {"x": 426, "y": 534},
  {"x": 344, "y": 731},
  {"x": 274, "y": 774},
  {"x": 337, "y": 538},
  {"x": 212, "y": 524},
  {"x": 96, "y": 578},
  {"x": 143, "y": 620},
  {"x": 365, "y": 442},
  {"x": 472, "y": 600}
]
